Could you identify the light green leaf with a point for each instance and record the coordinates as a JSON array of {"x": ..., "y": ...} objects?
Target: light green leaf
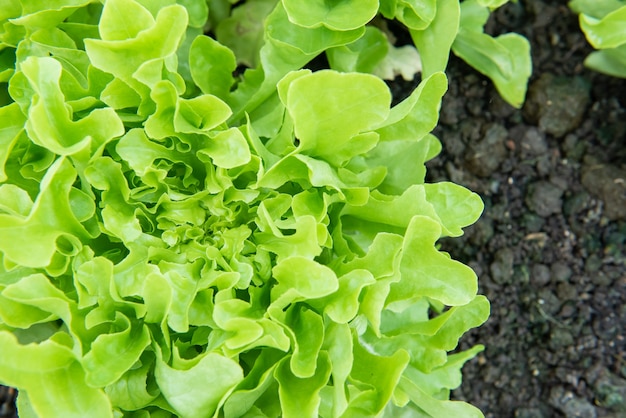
[
  {"x": 139, "y": 152},
  {"x": 12, "y": 122},
  {"x": 258, "y": 387},
  {"x": 378, "y": 376},
  {"x": 53, "y": 379},
  {"x": 343, "y": 305},
  {"x": 608, "y": 32},
  {"x": 341, "y": 15},
  {"x": 242, "y": 32},
  {"x": 199, "y": 389},
  {"x": 33, "y": 241},
  {"x": 123, "y": 19},
  {"x": 14, "y": 200},
  {"x": 474, "y": 16},
  {"x": 435, "y": 41},
  {"x": 310, "y": 41},
  {"x": 608, "y": 61},
  {"x": 299, "y": 397},
  {"x": 301, "y": 278},
  {"x": 17, "y": 307},
  {"x": 338, "y": 343},
  {"x": 212, "y": 65},
  {"x": 505, "y": 59},
  {"x": 403, "y": 161},
  {"x": 304, "y": 243},
  {"x": 443, "y": 330},
  {"x": 492, "y": 4},
  {"x": 118, "y": 215},
  {"x": 416, "y": 14},
  {"x": 361, "y": 55},
  {"x": 50, "y": 123},
  {"x": 112, "y": 355},
  {"x": 400, "y": 61},
  {"x": 595, "y": 8},
  {"x": 200, "y": 114},
  {"x": 123, "y": 58},
  {"x": 245, "y": 326},
  {"x": 131, "y": 391},
  {"x": 198, "y": 11},
  {"x": 160, "y": 124},
  {"x": 417, "y": 115},
  {"x": 438, "y": 408},
  {"x": 443, "y": 378},
  {"x": 182, "y": 280},
  {"x": 36, "y": 14},
  {"x": 395, "y": 211},
  {"x": 157, "y": 297},
  {"x": 321, "y": 105},
  {"x": 307, "y": 328},
  {"x": 227, "y": 149},
  {"x": 120, "y": 95},
  {"x": 455, "y": 206},
  {"x": 427, "y": 272},
  {"x": 175, "y": 115}
]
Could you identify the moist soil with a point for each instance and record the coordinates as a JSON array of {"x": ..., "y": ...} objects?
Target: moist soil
[{"x": 550, "y": 248}]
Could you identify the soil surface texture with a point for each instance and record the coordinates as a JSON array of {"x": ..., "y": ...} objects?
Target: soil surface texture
[{"x": 550, "y": 248}]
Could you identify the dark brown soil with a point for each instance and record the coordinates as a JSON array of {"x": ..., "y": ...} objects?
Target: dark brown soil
[{"x": 550, "y": 248}]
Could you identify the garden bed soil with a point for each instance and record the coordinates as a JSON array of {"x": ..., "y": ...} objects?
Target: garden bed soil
[{"x": 550, "y": 248}]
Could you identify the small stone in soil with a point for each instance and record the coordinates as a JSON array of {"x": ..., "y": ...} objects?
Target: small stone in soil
[
  {"x": 534, "y": 142},
  {"x": 557, "y": 104},
  {"x": 540, "y": 275},
  {"x": 610, "y": 391},
  {"x": 485, "y": 156},
  {"x": 544, "y": 198},
  {"x": 502, "y": 267},
  {"x": 560, "y": 338},
  {"x": 609, "y": 184},
  {"x": 571, "y": 405},
  {"x": 560, "y": 271}
]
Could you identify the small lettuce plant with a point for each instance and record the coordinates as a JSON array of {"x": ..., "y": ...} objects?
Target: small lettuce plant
[
  {"x": 604, "y": 24},
  {"x": 180, "y": 239}
]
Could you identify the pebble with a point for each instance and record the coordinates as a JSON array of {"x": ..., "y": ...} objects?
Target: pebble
[
  {"x": 544, "y": 198},
  {"x": 540, "y": 275},
  {"x": 557, "y": 104},
  {"x": 609, "y": 184},
  {"x": 533, "y": 142},
  {"x": 560, "y": 338},
  {"x": 529, "y": 413},
  {"x": 571, "y": 405},
  {"x": 502, "y": 267},
  {"x": 485, "y": 156},
  {"x": 609, "y": 389},
  {"x": 560, "y": 271},
  {"x": 606, "y": 327},
  {"x": 532, "y": 222},
  {"x": 566, "y": 291}
]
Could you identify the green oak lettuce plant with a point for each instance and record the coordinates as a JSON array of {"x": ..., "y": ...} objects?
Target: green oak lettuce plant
[
  {"x": 437, "y": 27},
  {"x": 177, "y": 240},
  {"x": 604, "y": 24}
]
